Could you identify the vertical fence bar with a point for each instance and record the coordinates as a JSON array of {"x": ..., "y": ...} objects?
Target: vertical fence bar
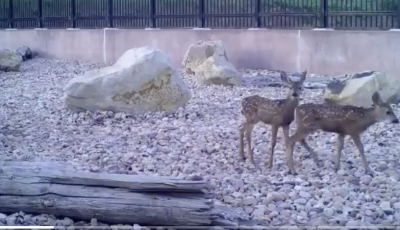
[
  {"x": 200, "y": 17},
  {"x": 152, "y": 13},
  {"x": 257, "y": 18},
  {"x": 323, "y": 13},
  {"x": 398, "y": 14},
  {"x": 73, "y": 14},
  {"x": 10, "y": 14},
  {"x": 40, "y": 14},
  {"x": 110, "y": 14}
]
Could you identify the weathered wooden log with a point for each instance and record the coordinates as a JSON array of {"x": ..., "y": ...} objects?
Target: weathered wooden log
[{"x": 55, "y": 189}]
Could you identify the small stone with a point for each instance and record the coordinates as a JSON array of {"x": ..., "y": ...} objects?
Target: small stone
[
  {"x": 385, "y": 206},
  {"x": 368, "y": 212},
  {"x": 248, "y": 210},
  {"x": 366, "y": 179},
  {"x": 304, "y": 194},
  {"x": 393, "y": 174},
  {"x": 397, "y": 216},
  {"x": 352, "y": 223},
  {"x": 382, "y": 167},
  {"x": 395, "y": 206},
  {"x": 328, "y": 211},
  {"x": 229, "y": 200},
  {"x": 237, "y": 194},
  {"x": 136, "y": 227},
  {"x": 301, "y": 201},
  {"x": 273, "y": 214},
  {"x": 2, "y": 216},
  {"x": 249, "y": 201},
  {"x": 268, "y": 200},
  {"x": 259, "y": 211}
]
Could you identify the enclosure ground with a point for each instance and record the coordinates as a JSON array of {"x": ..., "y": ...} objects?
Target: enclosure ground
[{"x": 202, "y": 139}]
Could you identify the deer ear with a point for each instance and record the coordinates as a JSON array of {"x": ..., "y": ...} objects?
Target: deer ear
[
  {"x": 303, "y": 76},
  {"x": 376, "y": 98},
  {"x": 285, "y": 77}
]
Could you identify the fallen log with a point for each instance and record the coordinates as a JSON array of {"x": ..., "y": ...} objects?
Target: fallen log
[{"x": 55, "y": 189}]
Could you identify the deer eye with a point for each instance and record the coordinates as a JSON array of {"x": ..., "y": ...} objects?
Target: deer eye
[
  {"x": 299, "y": 88},
  {"x": 388, "y": 112}
]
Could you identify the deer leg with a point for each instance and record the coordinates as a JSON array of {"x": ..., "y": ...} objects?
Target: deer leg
[
  {"x": 291, "y": 142},
  {"x": 339, "y": 149},
  {"x": 274, "y": 133},
  {"x": 242, "y": 130},
  {"x": 360, "y": 147},
  {"x": 313, "y": 154},
  {"x": 249, "y": 130}
]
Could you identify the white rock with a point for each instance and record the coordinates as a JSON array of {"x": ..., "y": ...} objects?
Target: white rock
[
  {"x": 142, "y": 80},
  {"x": 358, "y": 88},
  {"x": 9, "y": 61}
]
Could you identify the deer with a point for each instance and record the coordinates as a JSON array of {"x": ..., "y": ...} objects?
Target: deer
[
  {"x": 343, "y": 120},
  {"x": 278, "y": 113}
]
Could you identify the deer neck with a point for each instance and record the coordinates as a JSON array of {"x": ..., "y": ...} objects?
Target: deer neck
[
  {"x": 368, "y": 119},
  {"x": 291, "y": 103}
]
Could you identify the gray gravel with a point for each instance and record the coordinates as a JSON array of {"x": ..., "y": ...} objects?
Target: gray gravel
[{"x": 201, "y": 139}]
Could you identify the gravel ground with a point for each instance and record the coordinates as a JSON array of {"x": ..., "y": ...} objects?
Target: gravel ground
[{"x": 201, "y": 139}]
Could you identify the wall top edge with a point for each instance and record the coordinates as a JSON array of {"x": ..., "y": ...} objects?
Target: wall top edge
[{"x": 210, "y": 29}]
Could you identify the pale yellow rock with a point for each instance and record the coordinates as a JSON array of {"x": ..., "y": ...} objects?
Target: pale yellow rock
[
  {"x": 358, "y": 88},
  {"x": 217, "y": 71},
  {"x": 208, "y": 61},
  {"x": 198, "y": 53},
  {"x": 142, "y": 80}
]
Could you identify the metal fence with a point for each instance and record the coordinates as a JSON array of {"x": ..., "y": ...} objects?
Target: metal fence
[{"x": 283, "y": 14}]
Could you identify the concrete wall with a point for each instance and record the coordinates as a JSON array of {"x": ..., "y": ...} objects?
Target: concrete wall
[{"x": 318, "y": 51}]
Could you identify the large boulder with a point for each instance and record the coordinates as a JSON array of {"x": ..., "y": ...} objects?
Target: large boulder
[
  {"x": 210, "y": 65},
  {"x": 142, "y": 80},
  {"x": 357, "y": 89},
  {"x": 9, "y": 60}
]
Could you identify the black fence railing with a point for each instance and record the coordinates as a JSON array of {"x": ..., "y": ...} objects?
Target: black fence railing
[{"x": 284, "y": 14}]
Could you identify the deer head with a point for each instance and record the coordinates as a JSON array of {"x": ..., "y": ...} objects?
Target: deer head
[
  {"x": 383, "y": 110},
  {"x": 296, "y": 87}
]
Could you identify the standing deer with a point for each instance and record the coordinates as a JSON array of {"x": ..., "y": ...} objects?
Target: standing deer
[
  {"x": 342, "y": 120},
  {"x": 276, "y": 113}
]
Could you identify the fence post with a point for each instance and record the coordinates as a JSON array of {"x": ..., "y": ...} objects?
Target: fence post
[
  {"x": 10, "y": 14},
  {"x": 257, "y": 18},
  {"x": 110, "y": 14},
  {"x": 40, "y": 14},
  {"x": 398, "y": 14},
  {"x": 323, "y": 13},
  {"x": 200, "y": 19},
  {"x": 73, "y": 14},
  {"x": 152, "y": 13}
]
